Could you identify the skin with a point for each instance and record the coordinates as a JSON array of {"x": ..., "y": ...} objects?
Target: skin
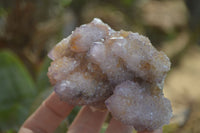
[{"x": 53, "y": 111}]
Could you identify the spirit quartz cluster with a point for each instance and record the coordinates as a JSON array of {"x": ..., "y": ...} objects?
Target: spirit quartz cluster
[{"x": 117, "y": 70}]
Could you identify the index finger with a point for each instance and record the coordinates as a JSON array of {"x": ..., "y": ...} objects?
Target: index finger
[{"x": 48, "y": 116}]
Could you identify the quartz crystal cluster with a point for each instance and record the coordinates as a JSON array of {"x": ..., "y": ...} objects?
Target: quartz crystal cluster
[{"x": 117, "y": 70}]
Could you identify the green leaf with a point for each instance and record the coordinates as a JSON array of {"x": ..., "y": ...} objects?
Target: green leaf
[{"x": 17, "y": 91}]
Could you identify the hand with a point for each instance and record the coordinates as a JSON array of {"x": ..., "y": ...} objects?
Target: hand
[{"x": 53, "y": 111}]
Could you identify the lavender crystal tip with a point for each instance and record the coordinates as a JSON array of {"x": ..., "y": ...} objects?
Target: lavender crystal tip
[{"x": 116, "y": 70}]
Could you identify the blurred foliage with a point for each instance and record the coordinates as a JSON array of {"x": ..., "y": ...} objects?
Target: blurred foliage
[
  {"x": 17, "y": 90},
  {"x": 73, "y": 113},
  {"x": 65, "y": 3},
  {"x": 29, "y": 29},
  {"x": 42, "y": 81},
  {"x": 170, "y": 128},
  {"x": 2, "y": 11},
  {"x": 104, "y": 127}
]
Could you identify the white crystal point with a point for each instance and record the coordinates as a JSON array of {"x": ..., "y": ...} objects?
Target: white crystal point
[
  {"x": 62, "y": 47},
  {"x": 84, "y": 36}
]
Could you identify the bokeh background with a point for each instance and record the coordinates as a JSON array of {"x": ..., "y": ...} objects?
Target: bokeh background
[{"x": 30, "y": 28}]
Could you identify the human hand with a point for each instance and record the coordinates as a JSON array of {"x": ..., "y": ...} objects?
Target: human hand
[{"x": 53, "y": 111}]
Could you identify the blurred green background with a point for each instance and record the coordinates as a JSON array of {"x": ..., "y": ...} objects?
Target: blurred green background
[{"x": 30, "y": 28}]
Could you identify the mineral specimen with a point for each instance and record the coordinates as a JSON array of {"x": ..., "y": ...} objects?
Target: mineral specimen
[{"x": 117, "y": 70}]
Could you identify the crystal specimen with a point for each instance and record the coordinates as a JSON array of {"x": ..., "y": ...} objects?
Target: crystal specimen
[{"x": 117, "y": 70}]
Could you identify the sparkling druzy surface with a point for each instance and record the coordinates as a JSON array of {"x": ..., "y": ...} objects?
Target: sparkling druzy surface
[
  {"x": 133, "y": 105},
  {"x": 117, "y": 70}
]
